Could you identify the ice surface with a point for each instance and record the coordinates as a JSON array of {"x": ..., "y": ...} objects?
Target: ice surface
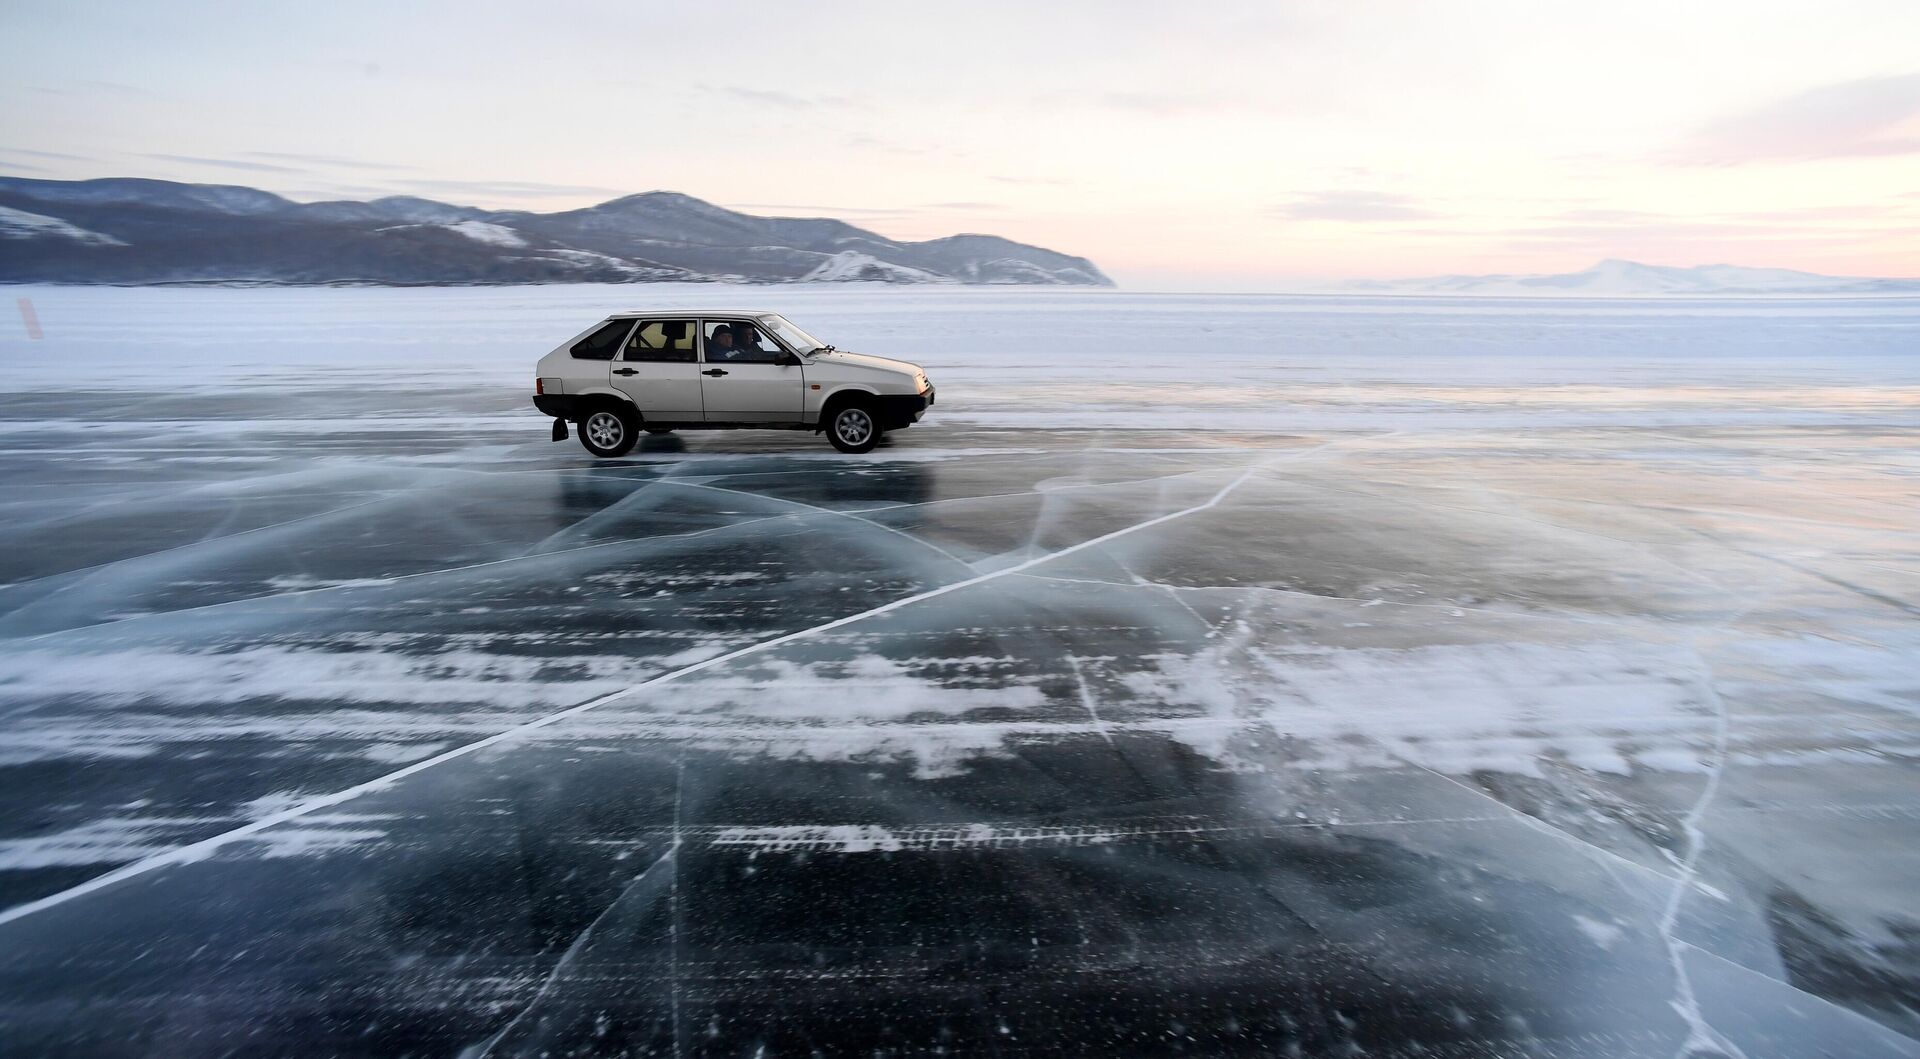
[{"x": 1206, "y": 675}]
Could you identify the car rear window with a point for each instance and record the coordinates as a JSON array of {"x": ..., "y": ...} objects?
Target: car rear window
[
  {"x": 603, "y": 343},
  {"x": 668, "y": 340}
]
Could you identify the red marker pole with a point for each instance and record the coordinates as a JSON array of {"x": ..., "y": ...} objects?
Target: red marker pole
[{"x": 30, "y": 318}]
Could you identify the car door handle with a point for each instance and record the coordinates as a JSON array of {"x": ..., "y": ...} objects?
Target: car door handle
[
  {"x": 625, "y": 371},
  {"x": 715, "y": 371}
]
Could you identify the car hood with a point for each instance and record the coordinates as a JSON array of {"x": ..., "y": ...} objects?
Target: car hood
[{"x": 862, "y": 360}]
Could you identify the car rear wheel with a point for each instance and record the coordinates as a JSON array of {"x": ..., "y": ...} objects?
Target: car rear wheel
[
  {"x": 608, "y": 431},
  {"x": 853, "y": 428}
]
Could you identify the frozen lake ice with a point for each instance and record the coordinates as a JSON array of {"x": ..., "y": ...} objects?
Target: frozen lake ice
[{"x": 1206, "y": 674}]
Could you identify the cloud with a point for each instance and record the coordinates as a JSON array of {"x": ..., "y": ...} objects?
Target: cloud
[
  {"x": 225, "y": 163},
  {"x": 1823, "y": 214},
  {"x": 817, "y": 209},
  {"x": 1162, "y": 104},
  {"x": 1604, "y": 232},
  {"x": 84, "y": 87},
  {"x": 1352, "y": 206},
  {"x": 1605, "y": 216},
  {"x": 1692, "y": 237},
  {"x": 1874, "y": 116},
  {"x": 874, "y": 143},
  {"x": 865, "y": 142},
  {"x": 323, "y": 159},
  {"x": 872, "y": 212},
  {"x": 334, "y": 192},
  {"x": 1612, "y": 238},
  {"x": 1034, "y": 181},
  {"x": 509, "y": 189},
  {"x": 784, "y": 100},
  {"x": 45, "y": 154},
  {"x": 1197, "y": 104},
  {"x": 1637, "y": 231}
]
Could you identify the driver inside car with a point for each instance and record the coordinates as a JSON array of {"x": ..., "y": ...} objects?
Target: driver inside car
[
  {"x": 720, "y": 344},
  {"x": 746, "y": 340}
]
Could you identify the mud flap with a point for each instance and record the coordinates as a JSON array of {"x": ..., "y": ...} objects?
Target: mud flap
[{"x": 559, "y": 429}]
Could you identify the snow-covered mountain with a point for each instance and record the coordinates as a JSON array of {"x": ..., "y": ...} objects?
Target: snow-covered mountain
[
  {"x": 849, "y": 266},
  {"x": 1615, "y": 277},
  {"x": 133, "y": 231},
  {"x": 19, "y": 224},
  {"x": 392, "y": 208}
]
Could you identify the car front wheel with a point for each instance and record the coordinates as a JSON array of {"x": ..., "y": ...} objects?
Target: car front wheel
[
  {"x": 608, "y": 432},
  {"x": 854, "y": 429}
]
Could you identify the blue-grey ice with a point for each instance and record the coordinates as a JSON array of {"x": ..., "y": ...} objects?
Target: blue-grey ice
[{"x": 1207, "y": 674}]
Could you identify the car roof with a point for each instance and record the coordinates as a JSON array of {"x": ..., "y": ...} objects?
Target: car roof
[{"x": 637, "y": 313}]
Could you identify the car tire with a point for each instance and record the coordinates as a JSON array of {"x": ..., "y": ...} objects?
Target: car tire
[
  {"x": 854, "y": 428},
  {"x": 608, "y": 431}
]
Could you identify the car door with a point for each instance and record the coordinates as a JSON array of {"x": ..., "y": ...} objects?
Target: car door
[
  {"x": 742, "y": 379},
  {"x": 659, "y": 368}
]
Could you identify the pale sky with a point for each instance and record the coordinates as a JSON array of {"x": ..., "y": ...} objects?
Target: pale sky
[{"x": 1195, "y": 146}]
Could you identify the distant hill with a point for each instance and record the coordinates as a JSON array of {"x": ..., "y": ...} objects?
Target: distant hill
[
  {"x": 1614, "y": 277},
  {"x": 132, "y": 231}
]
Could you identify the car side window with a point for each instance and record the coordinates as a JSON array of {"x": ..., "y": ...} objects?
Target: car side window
[
  {"x": 604, "y": 342},
  {"x": 663, "y": 340},
  {"x": 739, "y": 342}
]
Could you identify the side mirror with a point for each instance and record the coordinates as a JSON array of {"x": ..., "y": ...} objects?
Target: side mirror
[{"x": 787, "y": 360}]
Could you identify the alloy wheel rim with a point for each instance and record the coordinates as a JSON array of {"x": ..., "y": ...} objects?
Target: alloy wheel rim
[
  {"x": 853, "y": 426},
  {"x": 605, "y": 429}
]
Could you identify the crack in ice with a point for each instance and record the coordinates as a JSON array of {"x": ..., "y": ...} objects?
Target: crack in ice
[
  {"x": 205, "y": 847},
  {"x": 1701, "y": 1036},
  {"x": 567, "y": 958}
]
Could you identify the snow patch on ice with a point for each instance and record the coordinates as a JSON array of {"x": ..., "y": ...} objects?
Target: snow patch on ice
[
  {"x": 874, "y": 838},
  {"x": 305, "y": 582},
  {"x": 400, "y": 753},
  {"x": 114, "y": 840},
  {"x": 868, "y": 707},
  {"x": 1454, "y": 708},
  {"x": 866, "y": 687},
  {"x": 149, "y": 674},
  {"x": 830, "y": 838},
  {"x": 104, "y": 841},
  {"x": 1880, "y": 674},
  {"x": 1601, "y": 934}
]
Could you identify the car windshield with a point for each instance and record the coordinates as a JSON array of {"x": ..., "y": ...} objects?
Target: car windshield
[{"x": 797, "y": 340}]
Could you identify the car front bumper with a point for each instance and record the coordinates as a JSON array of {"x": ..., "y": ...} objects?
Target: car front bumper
[{"x": 898, "y": 410}]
